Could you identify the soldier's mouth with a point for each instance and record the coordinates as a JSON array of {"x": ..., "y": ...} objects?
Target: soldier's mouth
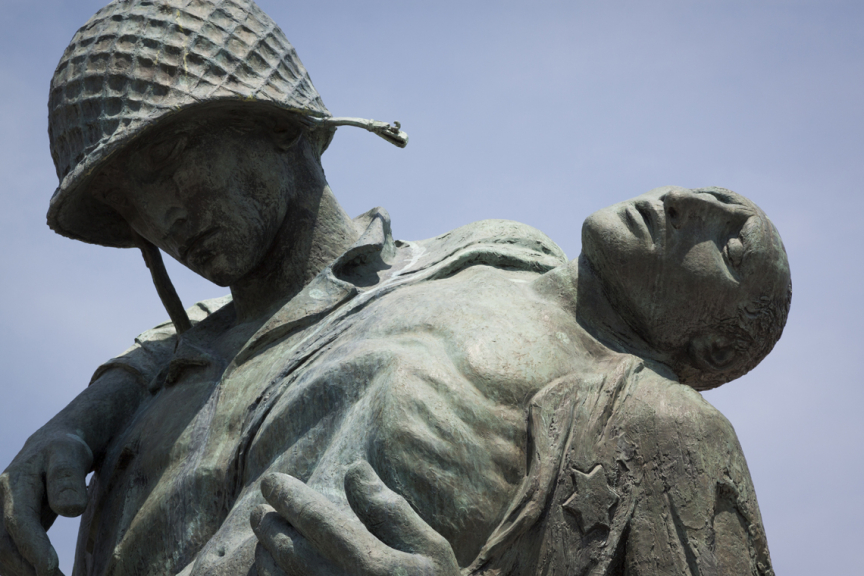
[{"x": 196, "y": 241}]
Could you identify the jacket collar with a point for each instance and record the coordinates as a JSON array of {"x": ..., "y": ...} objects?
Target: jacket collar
[{"x": 361, "y": 267}]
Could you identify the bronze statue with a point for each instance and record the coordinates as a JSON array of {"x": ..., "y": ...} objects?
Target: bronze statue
[{"x": 469, "y": 404}]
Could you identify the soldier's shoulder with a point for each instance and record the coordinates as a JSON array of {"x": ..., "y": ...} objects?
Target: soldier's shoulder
[{"x": 197, "y": 312}]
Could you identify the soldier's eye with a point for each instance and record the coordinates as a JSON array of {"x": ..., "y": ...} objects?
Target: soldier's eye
[
  {"x": 164, "y": 152},
  {"x": 735, "y": 251}
]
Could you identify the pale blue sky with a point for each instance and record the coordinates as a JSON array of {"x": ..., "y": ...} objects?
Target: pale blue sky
[{"x": 540, "y": 112}]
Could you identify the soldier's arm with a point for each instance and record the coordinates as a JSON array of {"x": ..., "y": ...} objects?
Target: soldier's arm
[
  {"x": 48, "y": 476},
  {"x": 52, "y": 468}
]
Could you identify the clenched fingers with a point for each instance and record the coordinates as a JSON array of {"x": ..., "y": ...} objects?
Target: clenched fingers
[
  {"x": 265, "y": 565},
  {"x": 285, "y": 546},
  {"x": 11, "y": 561},
  {"x": 66, "y": 478},
  {"x": 332, "y": 533},
  {"x": 22, "y": 499},
  {"x": 388, "y": 515}
]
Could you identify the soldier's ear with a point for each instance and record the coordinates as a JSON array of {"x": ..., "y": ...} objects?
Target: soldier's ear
[{"x": 286, "y": 134}]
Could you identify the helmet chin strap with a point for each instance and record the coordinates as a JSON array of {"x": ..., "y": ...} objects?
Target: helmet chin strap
[{"x": 164, "y": 287}]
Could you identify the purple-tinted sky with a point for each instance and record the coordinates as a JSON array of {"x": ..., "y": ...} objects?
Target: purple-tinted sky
[{"x": 534, "y": 111}]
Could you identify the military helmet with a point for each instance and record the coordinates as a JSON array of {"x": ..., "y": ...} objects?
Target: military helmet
[{"x": 137, "y": 63}]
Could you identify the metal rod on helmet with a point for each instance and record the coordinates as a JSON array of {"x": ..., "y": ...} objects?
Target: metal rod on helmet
[
  {"x": 164, "y": 287},
  {"x": 392, "y": 134}
]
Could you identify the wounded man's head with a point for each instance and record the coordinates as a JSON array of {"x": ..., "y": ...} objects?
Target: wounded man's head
[{"x": 701, "y": 275}]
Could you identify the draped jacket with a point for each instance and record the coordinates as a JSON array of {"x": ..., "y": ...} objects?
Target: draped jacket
[{"x": 528, "y": 445}]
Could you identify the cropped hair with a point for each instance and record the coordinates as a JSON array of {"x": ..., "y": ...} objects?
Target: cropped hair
[{"x": 754, "y": 331}]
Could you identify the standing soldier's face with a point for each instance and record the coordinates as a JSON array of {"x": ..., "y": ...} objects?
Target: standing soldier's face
[{"x": 211, "y": 195}]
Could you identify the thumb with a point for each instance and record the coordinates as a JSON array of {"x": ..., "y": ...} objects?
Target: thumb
[
  {"x": 11, "y": 560},
  {"x": 68, "y": 465},
  {"x": 388, "y": 515}
]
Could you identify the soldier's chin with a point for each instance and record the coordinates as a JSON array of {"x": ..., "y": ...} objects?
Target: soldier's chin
[{"x": 217, "y": 270}]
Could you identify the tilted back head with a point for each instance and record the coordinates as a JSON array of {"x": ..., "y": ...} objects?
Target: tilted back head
[
  {"x": 139, "y": 62},
  {"x": 756, "y": 324},
  {"x": 700, "y": 276}
]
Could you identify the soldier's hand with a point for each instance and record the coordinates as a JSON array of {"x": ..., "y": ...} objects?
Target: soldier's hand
[
  {"x": 303, "y": 533},
  {"x": 47, "y": 478}
]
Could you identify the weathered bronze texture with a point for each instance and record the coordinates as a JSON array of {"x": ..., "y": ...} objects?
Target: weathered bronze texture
[{"x": 473, "y": 403}]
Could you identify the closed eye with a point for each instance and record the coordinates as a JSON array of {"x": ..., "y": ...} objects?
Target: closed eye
[{"x": 162, "y": 153}]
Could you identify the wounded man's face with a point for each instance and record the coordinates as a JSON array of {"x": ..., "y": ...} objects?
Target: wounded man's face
[{"x": 675, "y": 261}]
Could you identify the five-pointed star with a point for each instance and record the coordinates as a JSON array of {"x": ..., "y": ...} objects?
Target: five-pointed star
[{"x": 591, "y": 501}]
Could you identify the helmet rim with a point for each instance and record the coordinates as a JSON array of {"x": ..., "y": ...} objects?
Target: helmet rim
[{"x": 136, "y": 64}]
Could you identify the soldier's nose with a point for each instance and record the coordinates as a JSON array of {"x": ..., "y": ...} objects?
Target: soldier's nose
[{"x": 173, "y": 222}]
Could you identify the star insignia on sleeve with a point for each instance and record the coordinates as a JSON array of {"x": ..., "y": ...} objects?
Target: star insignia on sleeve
[{"x": 591, "y": 501}]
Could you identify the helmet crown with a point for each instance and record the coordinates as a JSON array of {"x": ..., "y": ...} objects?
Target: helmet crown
[{"x": 138, "y": 62}]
